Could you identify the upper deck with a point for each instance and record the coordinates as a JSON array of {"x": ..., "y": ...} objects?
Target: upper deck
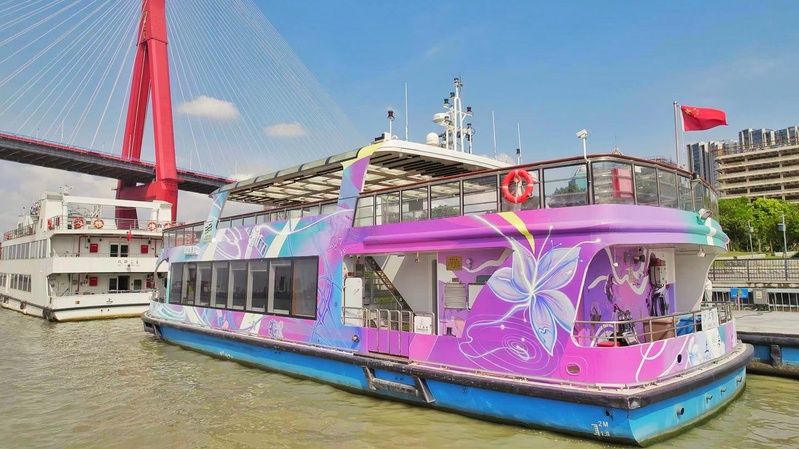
[{"x": 406, "y": 182}]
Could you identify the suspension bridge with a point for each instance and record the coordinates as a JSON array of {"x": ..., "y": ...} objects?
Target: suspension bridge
[{"x": 207, "y": 84}]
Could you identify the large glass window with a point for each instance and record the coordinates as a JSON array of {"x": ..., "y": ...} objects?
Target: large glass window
[
  {"x": 259, "y": 282},
  {"x": 280, "y": 280},
  {"x": 219, "y": 285},
  {"x": 204, "y": 282},
  {"x": 414, "y": 204},
  {"x": 238, "y": 271},
  {"x": 304, "y": 287},
  {"x": 684, "y": 186},
  {"x": 365, "y": 211},
  {"x": 175, "y": 283},
  {"x": 566, "y": 186},
  {"x": 667, "y": 184},
  {"x": 480, "y": 195},
  {"x": 387, "y": 208},
  {"x": 613, "y": 183},
  {"x": 190, "y": 292},
  {"x": 445, "y": 200},
  {"x": 646, "y": 185}
]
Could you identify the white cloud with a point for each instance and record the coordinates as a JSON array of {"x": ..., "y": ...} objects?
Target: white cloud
[
  {"x": 210, "y": 107},
  {"x": 292, "y": 129}
]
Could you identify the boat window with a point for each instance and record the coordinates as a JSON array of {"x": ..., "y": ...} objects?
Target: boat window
[
  {"x": 414, "y": 204},
  {"x": 480, "y": 195},
  {"x": 445, "y": 200},
  {"x": 565, "y": 186},
  {"x": 280, "y": 277},
  {"x": 238, "y": 270},
  {"x": 364, "y": 212},
  {"x": 137, "y": 284},
  {"x": 175, "y": 282},
  {"x": 204, "y": 283},
  {"x": 646, "y": 185},
  {"x": 259, "y": 283},
  {"x": 533, "y": 202},
  {"x": 612, "y": 182},
  {"x": 294, "y": 213},
  {"x": 387, "y": 208},
  {"x": 714, "y": 204},
  {"x": 310, "y": 211},
  {"x": 684, "y": 186},
  {"x": 112, "y": 284},
  {"x": 262, "y": 218},
  {"x": 329, "y": 208},
  {"x": 701, "y": 197},
  {"x": 219, "y": 284},
  {"x": 248, "y": 220},
  {"x": 306, "y": 275},
  {"x": 190, "y": 292},
  {"x": 667, "y": 186}
]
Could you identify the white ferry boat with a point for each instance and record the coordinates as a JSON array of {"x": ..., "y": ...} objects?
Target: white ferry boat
[{"x": 69, "y": 259}]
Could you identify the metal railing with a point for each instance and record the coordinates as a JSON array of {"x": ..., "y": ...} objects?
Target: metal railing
[
  {"x": 754, "y": 270},
  {"x": 383, "y": 319},
  {"x": 649, "y": 329}
]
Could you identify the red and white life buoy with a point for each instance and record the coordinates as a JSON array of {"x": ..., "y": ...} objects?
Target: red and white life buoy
[
  {"x": 168, "y": 225},
  {"x": 98, "y": 223},
  {"x": 152, "y": 226},
  {"x": 50, "y": 224},
  {"x": 78, "y": 223},
  {"x": 518, "y": 176}
]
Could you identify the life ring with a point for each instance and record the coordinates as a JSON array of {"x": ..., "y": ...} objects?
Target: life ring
[
  {"x": 152, "y": 226},
  {"x": 98, "y": 223},
  {"x": 49, "y": 224},
  {"x": 517, "y": 175},
  {"x": 168, "y": 225},
  {"x": 78, "y": 223}
]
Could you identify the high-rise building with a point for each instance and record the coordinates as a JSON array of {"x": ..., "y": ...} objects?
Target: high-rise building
[
  {"x": 756, "y": 137},
  {"x": 702, "y": 159}
]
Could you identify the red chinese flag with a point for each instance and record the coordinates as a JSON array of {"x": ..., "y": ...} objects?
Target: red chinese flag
[{"x": 698, "y": 119}]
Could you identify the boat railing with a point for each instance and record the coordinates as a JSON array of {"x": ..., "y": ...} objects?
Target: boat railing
[
  {"x": 116, "y": 255},
  {"x": 388, "y": 319},
  {"x": 103, "y": 292},
  {"x": 601, "y": 179},
  {"x": 646, "y": 330},
  {"x": 63, "y": 222}
]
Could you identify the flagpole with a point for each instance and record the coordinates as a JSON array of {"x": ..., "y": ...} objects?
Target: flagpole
[{"x": 676, "y": 137}]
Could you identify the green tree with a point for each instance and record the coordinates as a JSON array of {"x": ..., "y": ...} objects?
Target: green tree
[
  {"x": 735, "y": 215},
  {"x": 764, "y": 214}
]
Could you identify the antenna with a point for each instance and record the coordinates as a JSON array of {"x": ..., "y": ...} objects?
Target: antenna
[
  {"x": 406, "y": 111},
  {"x": 494, "y": 126},
  {"x": 519, "y": 149},
  {"x": 390, "y": 121}
]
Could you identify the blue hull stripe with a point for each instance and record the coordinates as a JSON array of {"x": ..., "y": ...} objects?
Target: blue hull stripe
[{"x": 613, "y": 424}]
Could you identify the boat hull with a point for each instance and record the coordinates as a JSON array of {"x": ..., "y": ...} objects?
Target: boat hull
[
  {"x": 127, "y": 309},
  {"x": 637, "y": 416}
]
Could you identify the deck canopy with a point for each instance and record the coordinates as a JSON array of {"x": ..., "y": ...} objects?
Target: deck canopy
[{"x": 394, "y": 163}]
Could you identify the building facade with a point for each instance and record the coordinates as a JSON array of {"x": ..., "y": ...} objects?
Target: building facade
[{"x": 764, "y": 163}]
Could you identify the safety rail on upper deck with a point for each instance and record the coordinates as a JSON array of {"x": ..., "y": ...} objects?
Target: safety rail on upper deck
[
  {"x": 649, "y": 329},
  {"x": 603, "y": 179},
  {"x": 63, "y": 222},
  {"x": 389, "y": 319}
]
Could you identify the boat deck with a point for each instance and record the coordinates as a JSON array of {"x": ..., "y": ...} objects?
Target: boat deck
[{"x": 775, "y": 336}]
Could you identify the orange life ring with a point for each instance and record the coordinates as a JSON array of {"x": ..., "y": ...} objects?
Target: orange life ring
[
  {"x": 168, "y": 225},
  {"x": 49, "y": 224},
  {"x": 78, "y": 223},
  {"x": 98, "y": 223},
  {"x": 517, "y": 175},
  {"x": 152, "y": 226}
]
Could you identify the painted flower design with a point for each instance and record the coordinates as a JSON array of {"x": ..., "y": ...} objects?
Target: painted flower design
[{"x": 534, "y": 287}]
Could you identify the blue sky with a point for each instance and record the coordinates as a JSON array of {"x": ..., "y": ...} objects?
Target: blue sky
[
  {"x": 554, "y": 68},
  {"x": 557, "y": 67}
]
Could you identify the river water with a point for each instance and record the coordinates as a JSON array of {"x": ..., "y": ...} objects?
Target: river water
[{"x": 107, "y": 384}]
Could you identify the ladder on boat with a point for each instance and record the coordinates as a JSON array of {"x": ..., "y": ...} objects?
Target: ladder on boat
[{"x": 390, "y": 288}]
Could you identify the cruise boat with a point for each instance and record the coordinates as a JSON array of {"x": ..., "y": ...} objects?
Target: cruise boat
[
  {"x": 69, "y": 259},
  {"x": 563, "y": 295}
]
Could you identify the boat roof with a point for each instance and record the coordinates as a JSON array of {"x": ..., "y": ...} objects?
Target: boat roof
[{"x": 394, "y": 163}]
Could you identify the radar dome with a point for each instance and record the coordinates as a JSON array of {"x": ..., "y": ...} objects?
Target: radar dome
[{"x": 432, "y": 139}]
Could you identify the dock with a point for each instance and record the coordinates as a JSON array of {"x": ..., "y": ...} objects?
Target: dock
[{"x": 775, "y": 337}]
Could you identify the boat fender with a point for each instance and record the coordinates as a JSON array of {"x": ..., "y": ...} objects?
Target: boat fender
[
  {"x": 98, "y": 223},
  {"x": 151, "y": 226},
  {"x": 517, "y": 176},
  {"x": 78, "y": 223}
]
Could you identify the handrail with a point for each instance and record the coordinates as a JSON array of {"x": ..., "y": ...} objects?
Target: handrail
[
  {"x": 648, "y": 327},
  {"x": 383, "y": 319}
]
